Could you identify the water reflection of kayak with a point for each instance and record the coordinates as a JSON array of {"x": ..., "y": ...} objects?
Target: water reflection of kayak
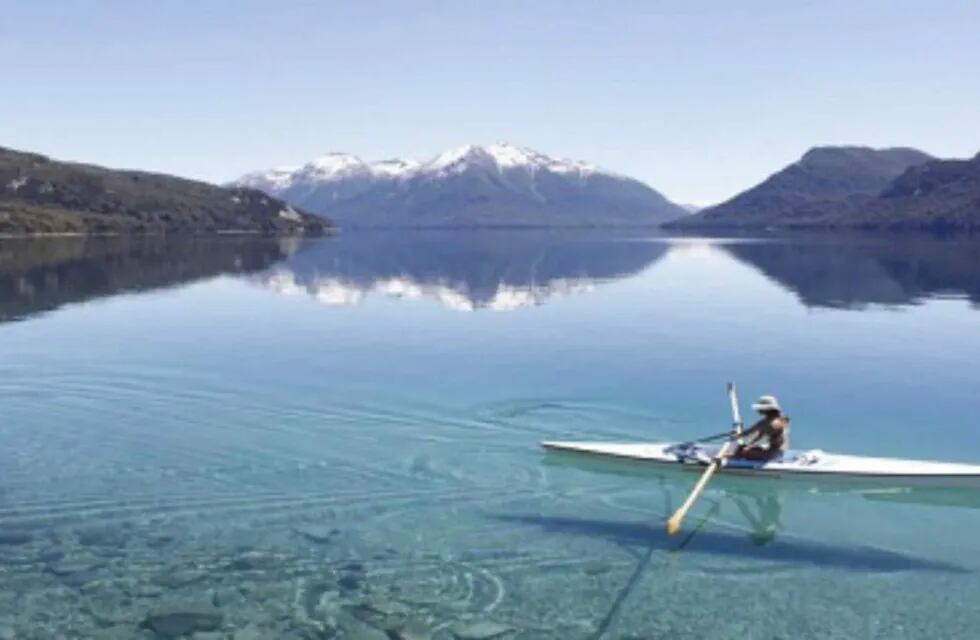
[{"x": 812, "y": 468}]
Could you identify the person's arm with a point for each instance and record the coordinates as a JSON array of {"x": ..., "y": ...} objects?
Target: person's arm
[{"x": 754, "y": 433}]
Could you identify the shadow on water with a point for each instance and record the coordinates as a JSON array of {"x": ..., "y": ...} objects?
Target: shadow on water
[
  {"x": 487, "y": 269},
  {"x": 797, "y": 552},
  {"x": 38, "y": 275},
  {"x": 852, "y": 272},
  {"x": 760, "y": 504}
]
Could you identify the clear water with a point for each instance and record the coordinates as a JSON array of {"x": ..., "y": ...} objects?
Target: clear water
[{"x": 257, "y": 439}]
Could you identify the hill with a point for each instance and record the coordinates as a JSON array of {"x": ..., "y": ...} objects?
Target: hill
[
  {"x": 942, "y": 195},
  {"x": 39, "y": 195},
  {"x": 821, "y": 188}
]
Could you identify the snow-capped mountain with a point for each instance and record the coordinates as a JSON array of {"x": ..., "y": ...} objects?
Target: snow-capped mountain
[
  {"x": 498, "y": 185},
  {"x": 327, "y": 180}
]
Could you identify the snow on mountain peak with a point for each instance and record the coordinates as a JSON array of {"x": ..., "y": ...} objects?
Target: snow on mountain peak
[
  {"x": 271, "y": 180},
  {"x": 335, "y": 167},
  {"x": 504, "y": 156},
  {"x": 334, "y": 164},
  {"x": 394, "y": 167},
  {"x": 458, "y": 158},
  {"x": 508, "y": 155}
]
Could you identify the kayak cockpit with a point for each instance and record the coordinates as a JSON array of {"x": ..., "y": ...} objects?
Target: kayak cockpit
[{"x": 704, "y": 454}]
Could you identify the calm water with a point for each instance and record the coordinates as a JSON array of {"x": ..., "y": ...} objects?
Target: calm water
[{"x": 339, "y": 438}]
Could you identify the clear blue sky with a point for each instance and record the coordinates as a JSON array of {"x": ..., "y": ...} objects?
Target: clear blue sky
[{"x": 700, "y": 99}]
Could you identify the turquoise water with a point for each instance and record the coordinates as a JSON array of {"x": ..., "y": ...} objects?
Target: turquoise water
[{"x": 339, "y": 438}]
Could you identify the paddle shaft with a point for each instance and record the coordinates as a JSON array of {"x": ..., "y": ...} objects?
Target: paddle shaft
[
  {"x": 674, "y": 524},
  {"x": 736, "y": 414}
]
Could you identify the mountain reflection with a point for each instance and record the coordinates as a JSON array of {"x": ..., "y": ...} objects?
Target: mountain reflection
[
  {"x": 853, "y": 272},
  {"x": 39, "y": 275},
  {"x": 472, "y": 270},
  {"x": 497, "y": 270}
]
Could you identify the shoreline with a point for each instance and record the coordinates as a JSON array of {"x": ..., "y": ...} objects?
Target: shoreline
[{"x": 157, "y": 234}]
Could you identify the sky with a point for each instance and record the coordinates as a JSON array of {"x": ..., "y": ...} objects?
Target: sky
[{"x": 698, "y": 99}]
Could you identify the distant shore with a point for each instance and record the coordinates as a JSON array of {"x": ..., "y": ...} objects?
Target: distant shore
[{"x": 159, "y": 234}]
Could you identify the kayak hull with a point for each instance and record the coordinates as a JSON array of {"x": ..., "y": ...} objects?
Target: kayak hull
[{"x": 807, "y": 466}]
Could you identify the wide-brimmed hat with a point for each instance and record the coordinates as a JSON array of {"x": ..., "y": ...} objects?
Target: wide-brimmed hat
[{"x": 766, "y": 403}]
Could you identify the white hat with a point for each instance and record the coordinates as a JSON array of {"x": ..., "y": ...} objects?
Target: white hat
[{"x": 766, "y": 403}]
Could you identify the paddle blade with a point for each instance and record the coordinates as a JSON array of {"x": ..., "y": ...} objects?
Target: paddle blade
[{"x": 674, "y": 524}]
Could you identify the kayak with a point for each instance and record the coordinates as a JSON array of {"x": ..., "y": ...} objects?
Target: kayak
[{"x": 807, "y": 465}]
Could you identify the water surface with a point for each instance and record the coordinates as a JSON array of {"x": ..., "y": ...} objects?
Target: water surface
[{"x": 338, "y": 438}]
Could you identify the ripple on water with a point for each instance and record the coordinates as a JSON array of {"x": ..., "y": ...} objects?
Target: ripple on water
[{"x": 161, "y": 490}]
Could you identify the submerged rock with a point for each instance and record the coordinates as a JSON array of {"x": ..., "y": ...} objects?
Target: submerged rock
[
  {"x": 318, "y": 534},
  {"x": 411, "y": 630},
  {"x": 15, "y": 537},
  {"x": 51, "y": 554},
  {"x": 350, "y": 582},
  {"x": 482, "y": 630},
  {"x": 75, "y": 572},
  {"x": 70, "y": 567},
  {"x": 145, "y": 591},
  {"x": 255, "y": 561},
  {"x": 354, "y": 629},
  {"x": 105, "y": 536},
  {"x": 177, "y": 578},
  {"x": 306, "y": 630},
  {"x": 383, "y": 606},
  {"x": 251, "y": 632},
  {"x": 155, "y": 541},
  {"x": 596, "y": 567},
  {"x": 177, "y": 621},
  {"x": 109, "y": 613},
  {"x": 380, "y": 613}
]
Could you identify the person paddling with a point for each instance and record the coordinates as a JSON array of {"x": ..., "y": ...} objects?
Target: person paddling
[{"x": 773, "y": 426}]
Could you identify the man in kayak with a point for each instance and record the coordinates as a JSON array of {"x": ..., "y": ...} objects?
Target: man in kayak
[{"x": 773, "y": 426}]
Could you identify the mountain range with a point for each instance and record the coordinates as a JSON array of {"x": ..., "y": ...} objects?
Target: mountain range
[
  {"x": 855, "y": 187},
  {"x": 500, "y": 185},
  {"x": 41, "y": 195}
]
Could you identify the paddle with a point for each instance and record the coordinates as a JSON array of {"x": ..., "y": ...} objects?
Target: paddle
[
  {"x": 674, "y": 524},
  {"x": 736, "y": 414}
]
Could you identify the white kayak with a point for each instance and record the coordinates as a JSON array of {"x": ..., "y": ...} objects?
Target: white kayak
[{"x": 809, "y": 465}]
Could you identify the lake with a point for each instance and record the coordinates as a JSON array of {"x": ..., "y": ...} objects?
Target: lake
[{"x": 255, "y": 438}]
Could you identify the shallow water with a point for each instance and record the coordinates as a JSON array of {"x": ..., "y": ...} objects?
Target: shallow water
[{"x": 338, "y": 438}]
